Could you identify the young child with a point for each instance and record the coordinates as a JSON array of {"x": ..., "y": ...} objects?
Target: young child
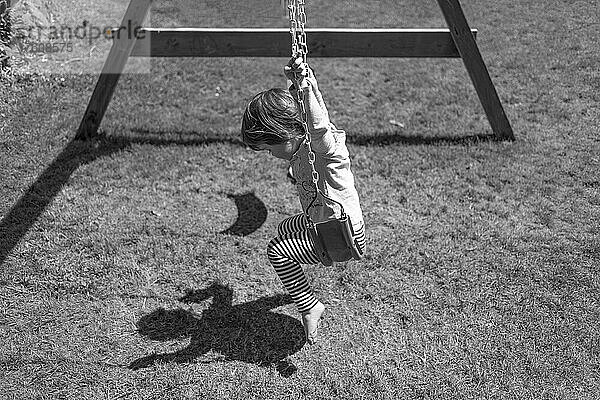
[{"x": 272, "y": 121}]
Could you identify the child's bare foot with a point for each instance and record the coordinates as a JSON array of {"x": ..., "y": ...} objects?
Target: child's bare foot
[{"x": 310, "y": 321}]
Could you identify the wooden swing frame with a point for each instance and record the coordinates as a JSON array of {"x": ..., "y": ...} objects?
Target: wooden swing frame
[{"x": 458, "y": 40}]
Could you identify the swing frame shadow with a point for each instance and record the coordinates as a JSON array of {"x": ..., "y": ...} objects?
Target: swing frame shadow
[
  {"x": 38, "y": 196},
  {"x": 458, "y": 40}
]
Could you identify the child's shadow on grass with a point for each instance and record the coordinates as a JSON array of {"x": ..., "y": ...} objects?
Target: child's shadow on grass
[{"x": 248, "y": 332}]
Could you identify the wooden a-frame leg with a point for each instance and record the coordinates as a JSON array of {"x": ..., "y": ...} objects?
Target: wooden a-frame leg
[
  {"x": 469, "y": 52},
  {"x": 113, "y": 67}
]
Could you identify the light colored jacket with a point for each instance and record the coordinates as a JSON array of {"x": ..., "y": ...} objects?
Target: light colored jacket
[{"x": 332, "y": 162}]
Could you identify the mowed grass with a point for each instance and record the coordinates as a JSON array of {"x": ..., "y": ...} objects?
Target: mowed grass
[{"x": 481, "y": 280}]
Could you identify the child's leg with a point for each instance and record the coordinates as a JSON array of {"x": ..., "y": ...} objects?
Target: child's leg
[
  {"x": 295, "y": 223},
  {"x": 359, "y": 236},
  {"x": 286, "y": 253}
]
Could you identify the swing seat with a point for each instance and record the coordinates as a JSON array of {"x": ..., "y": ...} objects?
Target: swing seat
[{"x": 334, "y": 241}]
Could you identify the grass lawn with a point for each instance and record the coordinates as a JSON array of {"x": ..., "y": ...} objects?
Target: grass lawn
[{"x": 134, "y": 266}]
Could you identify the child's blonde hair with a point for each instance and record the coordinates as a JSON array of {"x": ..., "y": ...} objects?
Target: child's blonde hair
[{"x": 271, "y": 117}]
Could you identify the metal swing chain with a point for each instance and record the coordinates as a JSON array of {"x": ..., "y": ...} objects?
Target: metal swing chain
[
  {"x": 297, "y": 18},
  {"x": 342, "y": 224}
]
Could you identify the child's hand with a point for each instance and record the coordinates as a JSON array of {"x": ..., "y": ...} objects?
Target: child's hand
[{"x": 297, "y": 71}]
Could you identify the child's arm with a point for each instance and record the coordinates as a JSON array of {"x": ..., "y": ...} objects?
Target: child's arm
[{"x": 317, "y": 115}]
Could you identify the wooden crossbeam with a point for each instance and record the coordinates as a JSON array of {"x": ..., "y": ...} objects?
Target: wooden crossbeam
[{"x": 330, "y": 42}]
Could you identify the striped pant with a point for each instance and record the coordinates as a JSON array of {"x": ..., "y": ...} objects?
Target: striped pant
[{"x": 291, "y": 248}]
